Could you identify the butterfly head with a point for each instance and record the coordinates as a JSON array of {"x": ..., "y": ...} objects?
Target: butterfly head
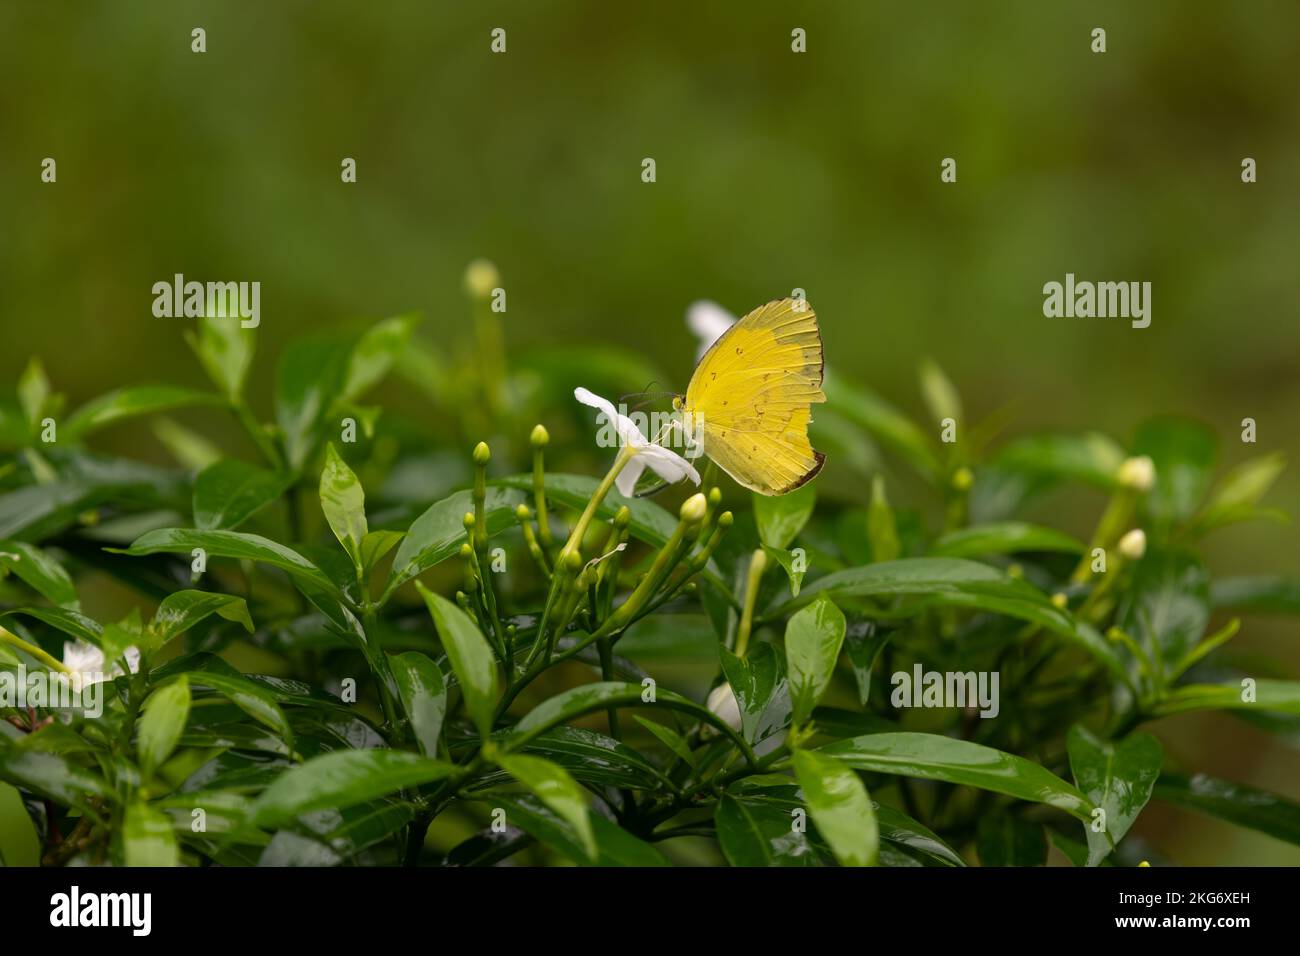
[{"x": 678, "y": 403}]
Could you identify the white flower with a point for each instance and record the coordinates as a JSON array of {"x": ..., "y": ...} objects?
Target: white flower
[
  {"x": 86, "y": 662},
  {"x": 1137, "y": 473},
  {"x": 722, "y": 702},
  {"x": 707, "y": 321},
  {"x": 668, "y": 465},
  {"x": 1134, "y": 544}
]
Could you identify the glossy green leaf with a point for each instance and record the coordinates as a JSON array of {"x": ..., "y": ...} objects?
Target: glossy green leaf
[
  {"x": 229, "y": 492},
  {"x": 1183, "y": 453},
  {"x": 187, "y": 446},
  {"x": 552, "y": 784},
  {"x": 935, "y": 757},
  {"x": 780, "y": 518},
  {"x": 614, "y": 845},
  {"x": 51, "y": 776},
  {"x": 70, "y": 622},
  {"x": 1006, "y": 537},
  {"x": 1261, "y": 593},
  {"x": 1090, "y": 457},
  {"x": 181, "y": 610},
  {"x": 863, "y": 642},
  {"x": 670, "y": 738},
  {"x": 813, "y": 638},
  {"x": 1237, "y": 495},
  {"x": 309, "y": 377},
  {"x": 341, "y": 779},
  {"x": 40, "y": 572},
  {"x": 376, "y": 544},
  {"x": 1249, "y": 694},
  {"x": 130, "y": 403},
  {"x": 344, "y": 503},
  {"x": 754, "y": 833},
  {"x": 596, "y": 759},
  {"x": 233, "y": 544},
  {"x": 960, "y": 583},
  {"x": 794, "y": 571},
  {"x": 19, "y": 843},
  {"x": 424, "y": 697},
  {"x": 253, "y": 699},
  {"x": 1167, "y": 605},
  {"x": 375, "y": 353},
  {"x": 147, "y": 837},
  {"x": 1117, "y": 777},
  {"x": 165, "y": 712},
  {"x": 470, "y": 656},
  {"x": 1004, "y": 839},
  {"x": 1245, "y": 806},
  {"x": 439, "y": 532},
  {"x": 839, "y": 805}
]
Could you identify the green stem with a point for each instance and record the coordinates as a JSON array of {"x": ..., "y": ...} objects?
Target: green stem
[{"x": 757, "y": 564}]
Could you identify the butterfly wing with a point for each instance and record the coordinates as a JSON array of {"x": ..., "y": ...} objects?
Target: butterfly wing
[{"x": 752, "y": 396}]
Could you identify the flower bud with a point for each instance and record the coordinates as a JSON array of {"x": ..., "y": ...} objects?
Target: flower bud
[
  {"x": 522, "y": 512},
  {"x": 540, "y": 436},
  {"x": 622, "y": 517},
  {"x": 694, "y": 508},
  {"x": 962, "y": 479},
  {"x": 481, "y": 277},
  {"x": 468, "y": 521},
  {"x": 1059, "y": 600},
  {"x": 722, "y": 702},
  {"x": 725, "y": 519},
  {"x": 1134, "y": 544},
  {"x": 1138, "y": 473},
  {"x": 482, "y": 454}
]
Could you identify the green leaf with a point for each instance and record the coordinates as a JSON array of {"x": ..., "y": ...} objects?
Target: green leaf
[
  {"x": 187, "y": 446},
  {"x": 224, "y": 348},
  {"x": 1167, "y": 605},
  {"x": 1117, "y": 777},
  {"x": 130, "y": 403},
  {"x": 578, "y": 701},
  {"x": 885, "y": 423},
  {"x": 33, "y": 393},
  {"x": 786, "y": 560},
  {"x": 756, "y": 833},
  {"x": 595, "y": 759},
  {"x": 165, "y": 712},
  {"x": 935, "y": 757},
  {"x": 50, "y": 775},
  {"x": 960, "y": 583},
  {"x": 1279, "y": 695},
  {"x": 41, "y": 572},
  {"x": 470, "y": 656},
  {"x": 780, "y": 518},
  {"x": 940, "y": 394},
  {"x": 233, "y": 544},
  {"x": 552, "y": 785},
  {"x": 424, "y": 697},
  {"x": 863, "y": 641},
  {"x": 376, "y": 544},
  {"x": 229, "y": 492},
  {"x": 839, "y": 805},
  {"x": 344, "y": 503},
  {"x": 19, "y": 843},
  {"x": 882, "y": 528},
  {"x": 1006, "y": 537},
  {"x": 1091, "y": 457},
  {"x": 1004, "y": 839},
  {"x": 148, "y": 838},
  {"x": 439, "y": 532},
  {"x": 181, "y": 610},
  {"x": 674, "y": 741},
  {"x": 70, "y": 622},
  {"x": 1263, "y": 593},
  {"x": 614, "y": 845},
  {"x": 310, "y": 375},
  {"x": 1238, "y": 494},
  {"x": 341, "y": 779},
  {"x": 813, "y": 638},
  {"x": 253, "y": 699},
  {"x": 1183, "y": 453},
  {"x": 1233, "y": 802},
  {"x": 761, "y": 691},
  {"x": 374, "y": 354}
]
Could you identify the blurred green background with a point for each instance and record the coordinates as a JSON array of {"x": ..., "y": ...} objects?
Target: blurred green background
[{"x": 775, "y": 171}]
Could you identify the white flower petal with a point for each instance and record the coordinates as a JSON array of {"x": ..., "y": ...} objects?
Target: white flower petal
[
  {"x": 668, "y": 465},
  {"x": 630, "y": 475},
  {"x": 626, "y": 428},
  {"x": 707, "y": 321}
]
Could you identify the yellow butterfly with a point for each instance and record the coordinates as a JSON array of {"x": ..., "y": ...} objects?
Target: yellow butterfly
[{"x": 750, "y": 399}]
